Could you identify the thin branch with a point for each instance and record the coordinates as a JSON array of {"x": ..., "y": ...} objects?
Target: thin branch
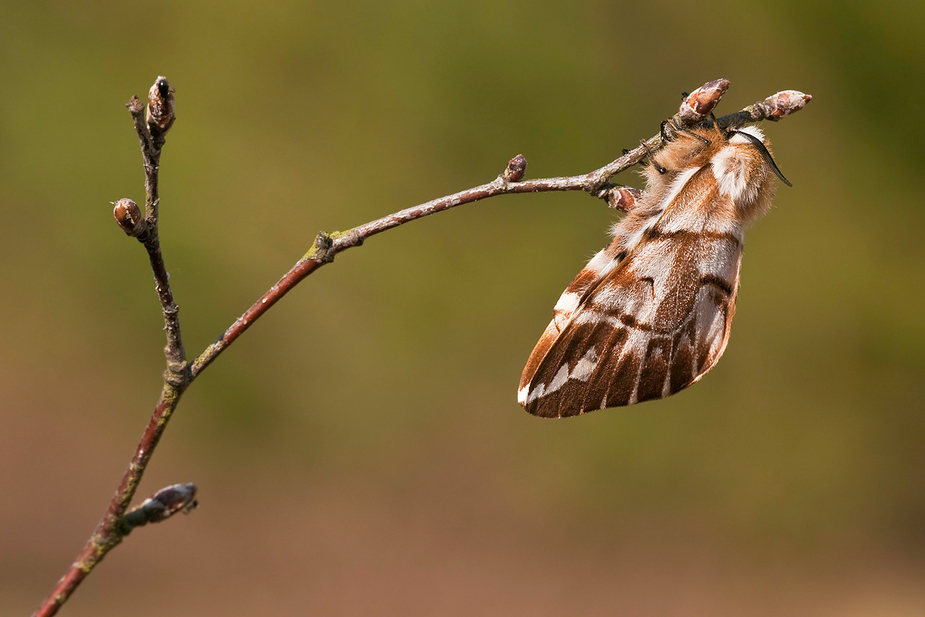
[
  {"x": 117, "y": 522},
  {"x": 151, "y": 137}
]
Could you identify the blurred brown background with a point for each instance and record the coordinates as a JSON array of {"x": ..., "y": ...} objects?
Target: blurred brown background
[{"x": 360, "y": 451}]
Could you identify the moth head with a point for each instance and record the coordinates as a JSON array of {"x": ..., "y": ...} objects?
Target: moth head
[{"x": 744, "y": 169}]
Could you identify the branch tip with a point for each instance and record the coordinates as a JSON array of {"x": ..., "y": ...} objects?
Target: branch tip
[{"x": 134, "y": 105}]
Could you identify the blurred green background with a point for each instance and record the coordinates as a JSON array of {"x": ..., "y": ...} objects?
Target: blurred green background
[{"x": 360, "y": 450}]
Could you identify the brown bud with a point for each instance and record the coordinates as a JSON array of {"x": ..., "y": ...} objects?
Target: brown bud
[
  {"x": 785, "y": 103},
  {"x": 701, "y": 102},
  {"x": 622, "y": 198},
  {"x": 160, "y": 113},
  {"x": 516, "y": 169},
  {"x": 129, "y": 218}
]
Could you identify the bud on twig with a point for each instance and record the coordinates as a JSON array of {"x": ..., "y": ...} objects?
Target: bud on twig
[
  {"x": 622, "y": 197},
  {"x": 785, "y": 103},
  {"x": 160, "y": 113},
  {"x": 129, "y": 217},
  {"x": 701, "y": 102},
  {"x": 162, "y": 505},
  {"x": 516, "y": 169}
]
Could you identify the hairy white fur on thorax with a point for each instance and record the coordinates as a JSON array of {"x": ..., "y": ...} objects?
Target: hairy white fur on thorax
[
  {"x": 730, "y": 173},
  {"x": 731, "y": 169}
]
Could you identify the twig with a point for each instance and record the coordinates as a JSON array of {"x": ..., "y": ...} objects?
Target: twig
[
  {"x": 151, "y": 137},
  {"x": 117, "y": 523}
]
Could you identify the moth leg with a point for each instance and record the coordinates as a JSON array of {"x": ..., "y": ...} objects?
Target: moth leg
[
  {"x": 674, "y": 129},
  {"x": 670, "y": 125},
  {"x": 694, "y": 135},
  {"x": 651, "y": 156}
]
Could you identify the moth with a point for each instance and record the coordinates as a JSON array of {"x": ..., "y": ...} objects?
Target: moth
[{"x": 650, "y": 313}]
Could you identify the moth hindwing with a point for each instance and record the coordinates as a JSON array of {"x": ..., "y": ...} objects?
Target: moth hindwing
[{"x": 650, "y": 313}]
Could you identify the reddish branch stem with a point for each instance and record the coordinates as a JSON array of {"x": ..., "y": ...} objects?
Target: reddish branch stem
[
  {"x": 114, "y": 525},
  {"x": 109, "y": 531}
]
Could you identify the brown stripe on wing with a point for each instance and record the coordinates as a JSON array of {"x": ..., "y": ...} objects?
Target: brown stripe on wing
[
  {"x": 683, "y": 367},
  {"x": 655, "y": 233},
  {"x": 654, "y": 372},
  {"x": 624, "y": 370}
]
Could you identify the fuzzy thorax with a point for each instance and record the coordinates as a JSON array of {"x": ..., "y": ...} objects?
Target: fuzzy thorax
[{"x": 735, "y": 162}]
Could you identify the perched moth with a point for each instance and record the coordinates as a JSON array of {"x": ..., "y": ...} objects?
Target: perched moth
[{"x": 650, "y": 314}]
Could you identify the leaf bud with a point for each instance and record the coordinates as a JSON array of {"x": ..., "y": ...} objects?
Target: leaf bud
[
  {"x": 129, "y": 218},
  {"x": 516, "y": 169},
  {"x": 700, "y": 103},
  {"x": 160, "y": 113}
]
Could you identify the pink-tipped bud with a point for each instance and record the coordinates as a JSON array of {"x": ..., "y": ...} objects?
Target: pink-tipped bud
[
  {"x": 129, "y": 218},
  {"x": 622, "y": 198},
  {"x": 701, "y": 102},
  {"x": 160, "y": 113},
  {"x": 516, "y": 168},
  {"x": 785, "y": 103}
]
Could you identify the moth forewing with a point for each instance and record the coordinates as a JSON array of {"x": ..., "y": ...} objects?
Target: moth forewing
[{"x": 650, "y": 314}]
